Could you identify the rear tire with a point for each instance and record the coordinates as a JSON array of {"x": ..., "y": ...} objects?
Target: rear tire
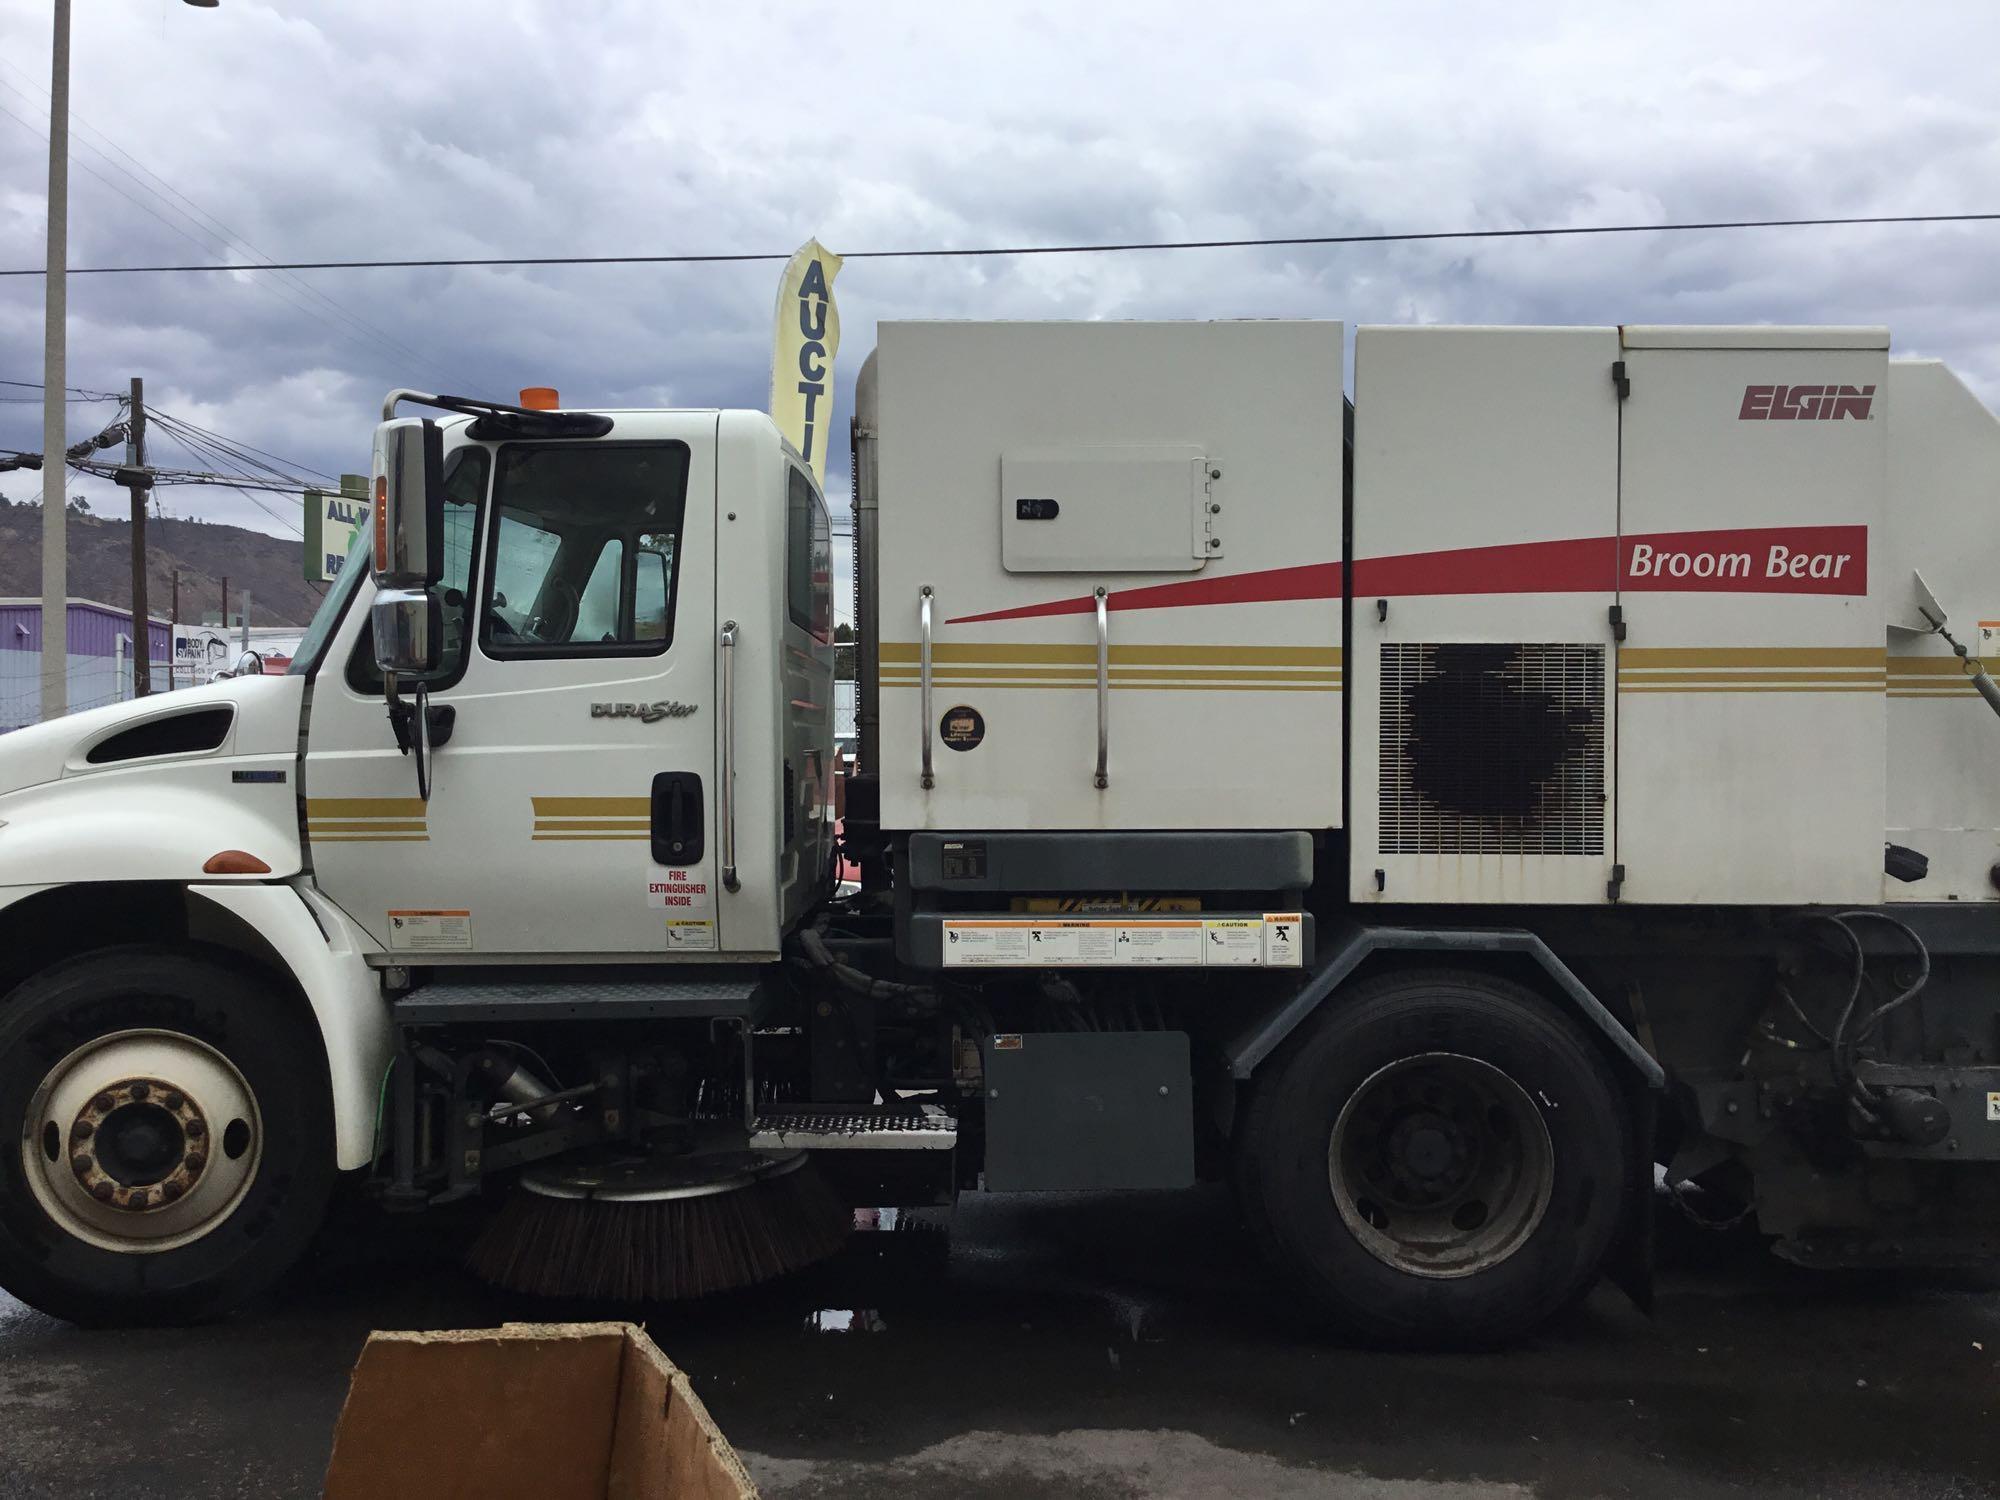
[
  {"x": 1440, "y": 1158},
  {"x": 166, "y": 1142}
]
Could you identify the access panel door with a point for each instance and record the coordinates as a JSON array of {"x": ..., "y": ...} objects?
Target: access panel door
[
  {"x": 573, "y": 808},
  {"x": 1750, "y": 682},
  {"x": 1481, "y": 645}
]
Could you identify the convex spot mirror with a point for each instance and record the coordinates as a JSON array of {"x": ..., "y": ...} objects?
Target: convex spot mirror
[
  {"x": 409, "y": 504},
  {"x": 409, "y": 631}
]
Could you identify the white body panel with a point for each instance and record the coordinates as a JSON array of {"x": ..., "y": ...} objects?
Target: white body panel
[
  {"x": 1223, "y": 709},
  {"x": 1750, "y": 713},
  {"x": 1944, "y": 743}
]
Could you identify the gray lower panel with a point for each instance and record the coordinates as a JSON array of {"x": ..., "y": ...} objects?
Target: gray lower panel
[
  {"x": 582, "y": 993},
  {"x": 1080, "y": 860},
  {"x": 1088, "y": 1110}
]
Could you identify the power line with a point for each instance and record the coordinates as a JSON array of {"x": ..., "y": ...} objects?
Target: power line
[
  {"x": 209, "y": 223},
  {"x": 281, "y": 292},
  {"x": 1264, "y": 242}
]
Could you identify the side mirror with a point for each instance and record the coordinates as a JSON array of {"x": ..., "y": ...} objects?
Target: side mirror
[
  {"x": 409, "y": 504},
  {"x": 409, "y": 631},
  {"x": 249, "y": 664}
]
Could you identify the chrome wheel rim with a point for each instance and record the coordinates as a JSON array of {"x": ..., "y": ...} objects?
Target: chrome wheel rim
[
  {"x": 1441, "y": 1165},
  {"x": 142, "y": 1141}
]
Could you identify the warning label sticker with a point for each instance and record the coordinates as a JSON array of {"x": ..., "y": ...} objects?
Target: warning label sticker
[
  {"x": 682, "y": 893},
  {"x": 430, "y": 931},
  {"x": 683, "y": 933},
  {"x": 1266, "y": 941}
]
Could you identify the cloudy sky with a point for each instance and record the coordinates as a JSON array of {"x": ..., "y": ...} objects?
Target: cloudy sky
[{"x": 366, "y": 129}]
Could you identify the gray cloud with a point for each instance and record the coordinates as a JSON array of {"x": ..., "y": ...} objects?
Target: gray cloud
[{"x": 478, "y": 127}]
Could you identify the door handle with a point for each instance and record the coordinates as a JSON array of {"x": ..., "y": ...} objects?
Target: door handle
[{"x": 677, "y": 819}]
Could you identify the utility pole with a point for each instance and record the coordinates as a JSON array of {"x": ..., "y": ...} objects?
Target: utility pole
[
  {"x": 174, "y": 631},
  {"x": 246, "y": 619},
  {"x": 55, "y": 328},
  {"x": 225, "y": 606},
  {"x": 142, "y": 625}
]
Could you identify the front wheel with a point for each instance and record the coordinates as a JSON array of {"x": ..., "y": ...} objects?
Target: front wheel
[
  {"x": 1442, "y": 1158},
  {"x": 174, "y": 1149}
]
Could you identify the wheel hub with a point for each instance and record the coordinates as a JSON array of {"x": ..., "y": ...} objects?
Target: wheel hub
[
  {"x": 142, "y": 1141},
  {"x": 139, "y": 1145},
  {"x": 1440, "y": 1165}
]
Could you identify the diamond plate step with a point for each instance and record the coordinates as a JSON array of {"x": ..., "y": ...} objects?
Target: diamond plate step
[{"x": 931, "y": 1129}]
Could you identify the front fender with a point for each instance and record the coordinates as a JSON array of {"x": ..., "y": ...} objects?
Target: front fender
[
  {"x": 323, "y": 951},
  {"x": 154, "y": 822}
]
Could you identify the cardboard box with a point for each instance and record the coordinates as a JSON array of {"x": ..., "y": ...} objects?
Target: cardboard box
[{"x": 558, "y": 1411}]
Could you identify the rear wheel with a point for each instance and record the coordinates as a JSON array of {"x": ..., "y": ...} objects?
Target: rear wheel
[
  {"x": 1441, "y": 1158},
  {"x": 174, "y": 1148}
]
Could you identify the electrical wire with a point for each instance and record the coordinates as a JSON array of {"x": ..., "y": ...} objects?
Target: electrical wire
[
  {"x": 399, "y": 351},
  {"x": 992, "y": 251},
  {"x": 211, "y": 226}
]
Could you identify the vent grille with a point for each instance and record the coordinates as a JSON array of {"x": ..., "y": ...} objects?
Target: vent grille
[{"x": 1492, "y": 749}]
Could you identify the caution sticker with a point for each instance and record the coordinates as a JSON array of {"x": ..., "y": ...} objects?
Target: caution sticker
[
  {"x": 1265, "y": 941},
  {"x": 685, "y": 934},
  {"x": 430, "y": 931}
]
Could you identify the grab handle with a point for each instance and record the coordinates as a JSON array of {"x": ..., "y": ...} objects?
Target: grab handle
[
  {"x": 924, "y": 597},
  {"x": 726, "y": 793},
  {"x": 1103, "y": 690}
]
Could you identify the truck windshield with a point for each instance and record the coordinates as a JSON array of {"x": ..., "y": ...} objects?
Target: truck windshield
[{"x": 327, "y": 617}]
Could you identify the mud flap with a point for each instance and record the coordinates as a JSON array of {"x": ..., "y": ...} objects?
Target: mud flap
[{"x": 1630, "y": 1263}]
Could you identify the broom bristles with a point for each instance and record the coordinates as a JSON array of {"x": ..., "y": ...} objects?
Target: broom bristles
[{"x": 662, "y": 1251}]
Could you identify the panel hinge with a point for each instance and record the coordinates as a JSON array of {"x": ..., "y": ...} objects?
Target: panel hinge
[
  {"x": 1620, "y": 379},
  {"x": 1615, "y": 884},
  {"x": 1381, "y": 880},
  {"x": 1617, "y": 622}
]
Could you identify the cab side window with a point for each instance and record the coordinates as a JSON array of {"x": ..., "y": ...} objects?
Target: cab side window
[
  {"x": 808, "y": 559},
  {"x": 583, "y": 549},
  {"x": 465, "y": 472}
]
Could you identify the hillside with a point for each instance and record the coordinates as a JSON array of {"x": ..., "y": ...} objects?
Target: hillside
[{"x": 100, "y": 565}]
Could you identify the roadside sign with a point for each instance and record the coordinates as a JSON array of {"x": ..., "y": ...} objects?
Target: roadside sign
[{"x": 331, "y": 522}]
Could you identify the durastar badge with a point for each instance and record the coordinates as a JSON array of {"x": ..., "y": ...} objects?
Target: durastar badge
[{"x": 645, "y": 713}]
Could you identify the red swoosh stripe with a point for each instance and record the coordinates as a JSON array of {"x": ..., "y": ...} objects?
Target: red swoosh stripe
[{"x": 1744, "y": 560}]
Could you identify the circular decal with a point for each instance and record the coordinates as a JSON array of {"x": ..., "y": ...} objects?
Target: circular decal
[{"x": 961, "y": 728}]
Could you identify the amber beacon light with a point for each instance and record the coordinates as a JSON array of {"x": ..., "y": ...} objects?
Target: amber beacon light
[{"x": 540, "y": 398}]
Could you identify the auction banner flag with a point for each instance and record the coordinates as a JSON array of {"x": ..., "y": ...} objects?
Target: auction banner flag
[{"x": 808, "y": 337}]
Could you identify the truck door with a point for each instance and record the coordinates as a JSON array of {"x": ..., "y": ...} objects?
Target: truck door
[{"x": 572, "y": 806}]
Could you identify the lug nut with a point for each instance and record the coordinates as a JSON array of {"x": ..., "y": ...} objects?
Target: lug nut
[
  {"x": 195, "y": 1163},
  {"x": 195, "y": 1130},
  {"x": 104, "y": 1104},
  {"x": 140, "y": 1093},
  {"x": 169, "y": 1191},
  {"x": 80, "y": 1165},
  {"x": 102, "y": 1191},
  {"x": 175, "y": 1100},
  {"x": 83, "y": 1130}
]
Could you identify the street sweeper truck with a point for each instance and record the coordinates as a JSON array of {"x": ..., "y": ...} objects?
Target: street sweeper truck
[{"x": 1558, "y": 782}]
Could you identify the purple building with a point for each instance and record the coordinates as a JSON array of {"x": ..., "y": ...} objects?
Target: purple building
[{"x": 100, "y": 657}]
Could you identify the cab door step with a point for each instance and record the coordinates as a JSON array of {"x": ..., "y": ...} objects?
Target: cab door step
[
  {"x": 841, "y": 1128},
  {"x": 583, "y": 992}
]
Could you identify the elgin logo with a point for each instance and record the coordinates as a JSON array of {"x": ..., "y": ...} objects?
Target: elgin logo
[{"x": 1805, "y": 403}]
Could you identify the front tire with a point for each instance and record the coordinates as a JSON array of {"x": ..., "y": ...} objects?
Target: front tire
[
  {"x": 1441, "y": 1158},
  {"x": 172, "y": 1146}
]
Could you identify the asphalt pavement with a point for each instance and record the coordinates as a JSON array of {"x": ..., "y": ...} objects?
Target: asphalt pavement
[{"x": 1104, "y": 1346}]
